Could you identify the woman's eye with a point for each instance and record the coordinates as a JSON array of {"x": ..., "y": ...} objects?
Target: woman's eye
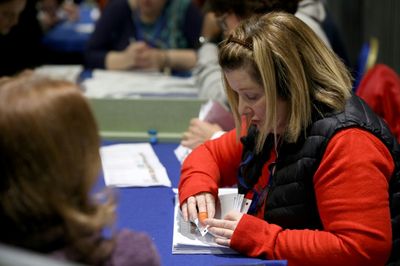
[{"x": 252, "y": 97}]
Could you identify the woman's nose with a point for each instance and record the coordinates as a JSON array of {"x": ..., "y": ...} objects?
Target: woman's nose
[{"x": 243, "y": 108}]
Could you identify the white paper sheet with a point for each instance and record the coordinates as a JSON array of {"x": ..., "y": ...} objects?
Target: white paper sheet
[
  {"x": 138, "y": 84},
  {"x": 64, "y": 72},
  {"x": 134, "y": 164}
]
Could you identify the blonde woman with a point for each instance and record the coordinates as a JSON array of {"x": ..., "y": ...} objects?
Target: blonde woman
[
  {"x": 49, "y": 161},
  {"x": 317, "y": 163}
]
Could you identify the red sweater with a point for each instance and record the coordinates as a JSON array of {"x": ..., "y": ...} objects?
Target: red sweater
[{"x": 351, "y": 186}]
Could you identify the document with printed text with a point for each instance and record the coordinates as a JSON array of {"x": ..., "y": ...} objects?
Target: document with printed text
[{"x": 135, "y": 164}]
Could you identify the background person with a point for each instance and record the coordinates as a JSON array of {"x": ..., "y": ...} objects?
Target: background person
[
  {"x": 20, "y": 36},
  {"x": 52, "y": 12},
  {"x": 139, "y": 34},
  {"x": 320, "y": 166},
  {"x": 49, "y": 162}
]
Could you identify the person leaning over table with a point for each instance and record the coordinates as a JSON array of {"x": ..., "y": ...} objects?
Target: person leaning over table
[
  {"x": 222, "y": 15},
  {"x": 49, "y": 162},
  {"x": 139, "y": 34},
  {"x": 316, "y": 161},
  {"x": 228, "y": 13}
]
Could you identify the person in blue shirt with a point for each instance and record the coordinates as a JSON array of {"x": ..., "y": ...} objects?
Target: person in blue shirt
[{"x": 138, "y": 34}]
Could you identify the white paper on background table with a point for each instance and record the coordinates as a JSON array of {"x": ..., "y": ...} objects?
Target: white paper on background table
[
  {"x": 137, "y": 85},
  {"x": 134, "y": 164}
]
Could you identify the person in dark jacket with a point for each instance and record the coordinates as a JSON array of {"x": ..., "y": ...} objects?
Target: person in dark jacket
[
  {"x": 20, "y": 36},
  {"x": 321, "y": 169},
  {"x": 137, "y": 34}
]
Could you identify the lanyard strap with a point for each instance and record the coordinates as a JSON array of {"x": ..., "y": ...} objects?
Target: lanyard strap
[
  {"x": 243, "y": 187},
  {"x": 260, "y": 196},
  {"x": 250, "y": 170}
]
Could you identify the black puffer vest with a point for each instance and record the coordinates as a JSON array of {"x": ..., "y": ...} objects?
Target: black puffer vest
[{"x": 291, "y": 199}]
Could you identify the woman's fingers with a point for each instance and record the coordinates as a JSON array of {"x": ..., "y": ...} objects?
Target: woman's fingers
[
  {"x": 192, "y": 208},
  {"x": 221, "y": 232},
  {"x": 184, "y": 210},
  {"x": 210, "y": 203},
  {"x": 233, "y": 216},
  {"x": 223, "y": 241},
  {"x": 203, "y": 203},
  {"x": 218, "y": 223}
]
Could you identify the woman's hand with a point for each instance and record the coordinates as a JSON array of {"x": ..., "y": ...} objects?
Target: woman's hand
[
  {"x": 202, "y": 202},
  {"x": 198, "y": 132},
  {"x": 137, "y": 55},
  {"x": 134, "y": 54},
  {"x": 223, "y": 229},
  {"x": 146, "y": 57}
]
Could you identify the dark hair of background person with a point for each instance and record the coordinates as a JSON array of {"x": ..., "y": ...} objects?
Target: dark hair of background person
[
  {"x": 21, "y": 48},
  {"x": 247, "y": 8}
]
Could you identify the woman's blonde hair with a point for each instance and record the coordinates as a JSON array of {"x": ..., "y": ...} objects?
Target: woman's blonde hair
[
  {"x": 287, "y": 58},
  {"x": 49, "y": 162}
]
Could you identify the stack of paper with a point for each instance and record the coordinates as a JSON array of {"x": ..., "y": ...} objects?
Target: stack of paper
[
  {"x": 133, "y": 164},
  {"x": 187, "y": 238},
  {"x": 138, "y": 84},
  {"x": 64, "y": 72}
]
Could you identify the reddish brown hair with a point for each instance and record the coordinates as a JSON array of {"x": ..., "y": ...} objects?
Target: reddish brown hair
[{"x": 49, "y": 161}]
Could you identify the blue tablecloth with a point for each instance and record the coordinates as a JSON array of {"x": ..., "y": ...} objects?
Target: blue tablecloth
[{"x": 152, "y": 209}]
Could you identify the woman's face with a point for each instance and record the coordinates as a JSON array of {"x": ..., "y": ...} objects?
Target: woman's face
[
  {"x": 9, "y": 14},
  {"x": 251, "y": 97}
]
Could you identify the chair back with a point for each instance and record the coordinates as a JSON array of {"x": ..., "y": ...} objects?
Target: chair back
[{"x": 380, "y": 88}]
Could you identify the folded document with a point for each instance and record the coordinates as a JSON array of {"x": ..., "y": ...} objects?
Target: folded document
[{"x": 188, "y": 238}]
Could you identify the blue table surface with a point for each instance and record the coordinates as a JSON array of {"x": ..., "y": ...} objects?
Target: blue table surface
[{"x": 151, "y": 210}]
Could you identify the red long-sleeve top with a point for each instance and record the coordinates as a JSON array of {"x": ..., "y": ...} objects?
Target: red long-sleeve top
[{"x": 351, "y": 186}]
